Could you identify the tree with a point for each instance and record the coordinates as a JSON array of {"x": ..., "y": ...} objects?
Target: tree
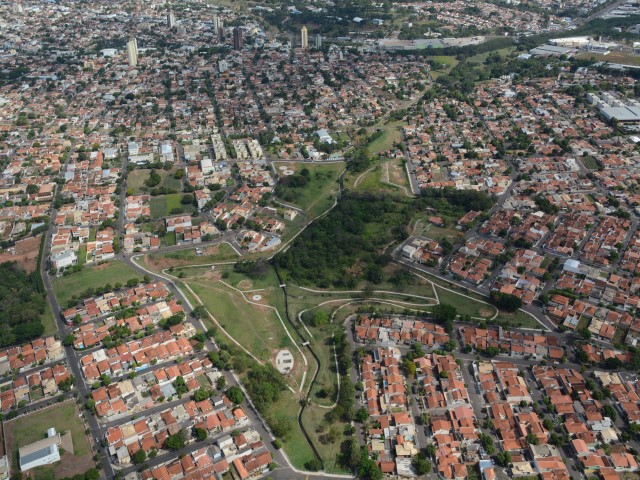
[
  {"x": 200, "y": 434},
  {"x": 180, "y": 385},
  {"x": 368, "y": 469},
  {"x": 235, "y": 395},
  {"x": 201, "y": 394},
  {"x": 362, "y": 414},
  {"x": 505, "y": 301},
  {"x": 531, "y": 439},
  {"x": 221, "y": 382},
  {"x": 175, "y": 441},
  {"x": 421, "y": 465},
  {"x": 503, "y": 459},
  {"x": 138, "y": 457}
]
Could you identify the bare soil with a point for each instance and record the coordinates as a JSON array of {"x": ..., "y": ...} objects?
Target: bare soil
[
  {"x": 486, "y": 312},
  {"x": 25, "y": 252}
]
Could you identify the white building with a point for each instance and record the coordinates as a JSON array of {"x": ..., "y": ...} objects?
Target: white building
[
  {"x": 63, "y": 259},
  {"x": 42, "y": 452}
]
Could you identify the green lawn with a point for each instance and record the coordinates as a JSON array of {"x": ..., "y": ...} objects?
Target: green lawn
[
  {"x": 136, "y": 179},
  {"x": 316, "y": 196},
  {"x": 74, "y": 284},
  {"x": 31, "y": 428},
  {"x": 164, "y": 205}
]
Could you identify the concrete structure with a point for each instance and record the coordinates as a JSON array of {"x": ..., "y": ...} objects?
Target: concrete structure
[
  {"x": 318, "y": 41},
  {"x": 132, "y": 52},
  {"x": 217, "y": 24},
  {"x": 304, "y": 38},
  {"x": 223, "y": 66},
  {"x": 171, "y": 19},
  {"x": 42, "y": 452}
]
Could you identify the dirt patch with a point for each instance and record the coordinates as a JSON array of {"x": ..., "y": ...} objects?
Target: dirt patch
[
  {"x": 101, "y": 266},
  {"x": 486, "y": 312},
  {"x": 245, "y": 284},
  {"x": 213, "y": 275},
  {"x": 25, "y": 252},
  {"x": 71, "y": 465}
]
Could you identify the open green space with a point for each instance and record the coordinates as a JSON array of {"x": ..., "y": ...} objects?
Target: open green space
[
  {"x": 371, "y": 182},
  {"x": 49, "y": 321},
  {"x": 33, "y": 427},
  {"x": 589, "y": 162},
  {"x": 82, "y": 254},
  {"x": 111, "y": 272},
  {"x": 383, "y": 141},
  {"x": 313, "y": 195},
  {"x": 211, "y": 254},
  {"x": 625, "y": 58},
  {"x": 137, "y": 178},
  {"x": 481, "y": 57},
  {"x": 165, "y": 205},
  {"x": 286, "y": 410}
]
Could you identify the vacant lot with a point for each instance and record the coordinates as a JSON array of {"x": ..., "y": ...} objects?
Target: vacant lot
[
  {"x": 137, "y": 178},
  {"x": 164, "y": 205},
  {"x": 96, "y": 276},
  {"x": 212, "y": 254},
  {"x": 25, "y": 252},
  {"x": 392, "y": 134},
  {"x": 32, "y": 428}
]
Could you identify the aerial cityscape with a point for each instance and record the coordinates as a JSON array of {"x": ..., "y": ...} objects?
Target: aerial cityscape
[{"x": 320, "y": 239}]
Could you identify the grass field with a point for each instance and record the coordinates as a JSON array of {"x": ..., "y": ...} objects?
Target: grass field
[
  {"x": 613, "y": 57},
  {"x": 31, "y": 428},
  {"x": 316, "y": 196},
  {"x": 392, "y": 134},
  {"x": 164, "y": 205},
  {"x": 589, "y": 162},
  {"x": 49, "y": 321},
  {"x": 98, "y": 275},
  {"x": 481, "y": 57},
  {"x": 212, "y": 254},
  {"x": 372, "y": 182},
  {"x": 136, "y": 179}
]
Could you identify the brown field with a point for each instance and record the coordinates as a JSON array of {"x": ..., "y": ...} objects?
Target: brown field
[{"x": 25, "y": 252}]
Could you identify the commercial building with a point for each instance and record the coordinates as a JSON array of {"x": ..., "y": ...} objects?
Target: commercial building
[
  {"x": 42, "y": 452},
  {"x": 304, "y": 38}
]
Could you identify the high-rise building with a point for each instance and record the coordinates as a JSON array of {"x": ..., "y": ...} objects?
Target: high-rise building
[
  {"x": 132, "y": 52},
  {"x": 171, "y": 19},
  {"x": 17, "y": 8},
  {"x": 304, "y": 38},
  {"x": 217, "y": 24},
  {"x": 318, "y": 41},
  {"x": 223, "y": 66},
  {"x": 221, "y": 33},
  {"x": 238, "y": 43}
]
